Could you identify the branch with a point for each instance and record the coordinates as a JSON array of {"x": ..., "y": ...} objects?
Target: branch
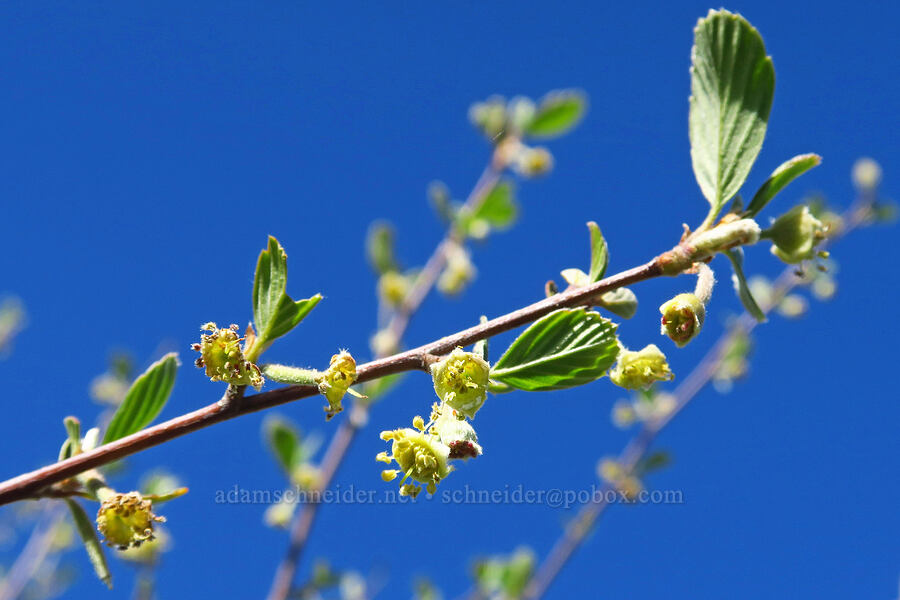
[
  {"x": 637, "y": 448},
  {"x": 29, "y": 484}
]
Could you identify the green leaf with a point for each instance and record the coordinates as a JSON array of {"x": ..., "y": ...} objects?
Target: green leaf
[
  {"x": 732, "y": 84},
  {"x": 284, "y": 442},
  {"x": 599, "y": 253},
  {"x": 144, "y": 400},
  {"x": 85, "y": 527},
  {"x": 73, "y": 430},
  {"x": 274, "y": 312},
  {"x": 166, "y": 496},
  {"x": 65, "y": 451},
  {"x": 558, "y": 113},
  {"x": 380, "y": 244},
  {"x": 736, "y": 256},
  {"x": 499, "y": 208},
  {"x": 654, "y": 462},
  {"x": 780, "y": 177},
  {"x": 621, "y": 302},
  {"x": 566, "y": 348}
]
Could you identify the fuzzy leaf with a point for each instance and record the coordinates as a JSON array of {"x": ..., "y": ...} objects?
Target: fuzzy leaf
[
  {"x": 145, "y": 399},
  {"x": 73, "y": 430},
  {"x": 558, "y": 113},
  {"x": 736, "y": 256},
  {"x": 780, "y": 177},
  {"x": 653, "y": 462},
  {"x": 284, "y": 442},
  {"x": 732, "y": 84},
  {"x": 499, "y": 208},
  {"x": 380, "y": 247},
  {"x": 566, "y": 348},
  {"x": 85, "y": 527},
  {"x": 599, "y": 253},
  {"x": 274, "y": 312},
  {"x": 621, "y": 302}
]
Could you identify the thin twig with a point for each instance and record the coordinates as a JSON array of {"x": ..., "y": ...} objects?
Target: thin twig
[
  {"x": 636, "y": 449},
  {"x": 33, "y": 553}
]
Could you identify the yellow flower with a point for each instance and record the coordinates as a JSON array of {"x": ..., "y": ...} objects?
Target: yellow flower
[
  {"x": 461, "y": 380},
  {"x": 421, "y": 457},
  {"x": 682, "y": 318},
  {"x": 222, "y": 355},
  {"x": 335, "y": 382},
  {"x": 640, "y": 370},
  {"x": 126, "y": 520}
]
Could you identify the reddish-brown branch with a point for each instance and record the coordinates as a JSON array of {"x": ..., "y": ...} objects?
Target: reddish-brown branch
[{"x": 30, "y": 484}]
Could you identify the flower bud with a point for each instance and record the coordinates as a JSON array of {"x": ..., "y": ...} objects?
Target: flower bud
[
  {"x": 795, "y": 234},
  {"x": 458, "y": 272},
  {"x": 533, "y": 162},
  {"x": 521, "y": 112},
  {"x": 335, "y": 382},
  {"x": 613, "y": 473},
  {"x": 489, "y": 116},
  {"x": 126, "y": 520},
  {"x": 393, "y": 288},
  {"x": 640, "y": 370},
  {"x": 461, "y": 381},
  {"x": 421, "y": 457},
  {"x": 222, "y": 355},
  {"x": 682, "y": 318},
  {"x": 866, "y": 174},
  {"x": 384, "y": 343},
  {"x": 279, "y": 515},
  {"x": 456, "y": 433},
  {"x": 306, "y": 476}
]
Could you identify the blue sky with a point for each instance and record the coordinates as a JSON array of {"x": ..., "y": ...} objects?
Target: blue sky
[{"x": 149, "y": 150}]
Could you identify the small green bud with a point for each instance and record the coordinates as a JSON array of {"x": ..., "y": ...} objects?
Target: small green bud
[
  {"x": 422, "y": 457},
  {"x": 461, "y": 381},
  {"x": 458, "y": 272},
  {"x": 279, "y": 515},
  {"x": 521, "y": 112},
  {"x": 489, "y": 117},
  {"x": 640, "y": 370},
  {"x": 222, "y": 355},
  {"x": 793, "y": 306},
  {"x": 306, "y": 476},
  {"x": 613, "y": 473},
  {"x": 393, "y": 288},
  {"x": 384, "y": 343},
  {"x": 126, "y": 520},
  {"x": 335, "y": 381},
  {"x": 824, "y": 287},
  {"x": 795, "y": 235},
  {"x": 532, "y": 162},
  {"x": 866, "y": 174},
  {"x": 682, "y": 318},
  {"x": 623, "y": 415}
]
